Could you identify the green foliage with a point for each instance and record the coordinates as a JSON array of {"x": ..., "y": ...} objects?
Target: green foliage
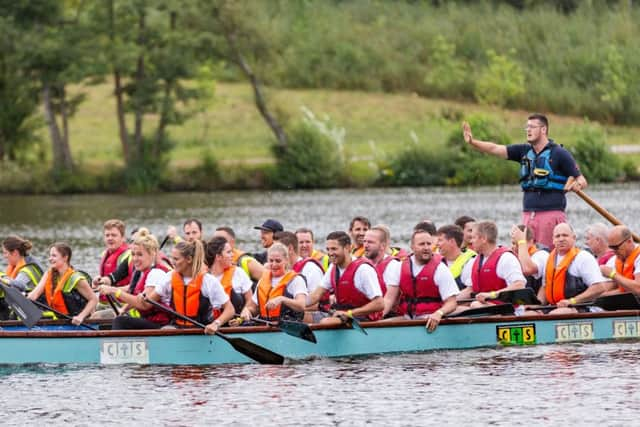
[
  {"x": 312, "y": 158},
  {"x": 594, "y": 157},
  {"x": 418, "y": 165},
  {"x": 501, "y": 82},
  {"x": 447, "y": 75}
]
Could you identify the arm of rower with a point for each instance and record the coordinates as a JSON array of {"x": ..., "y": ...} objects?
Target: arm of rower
[
  {"x": 518, "y": 284},
  {"x": 465, "y": 293},
  {"x": 141, "y": 304},
  {"x": 92, "y": 300},
  {"x": 390, "y": 299},
  {"x": 450, "y": 305},
  {"x": 376, "y": 304},
  {"x": 630, "y": 285},
  {"x": 37, "y": 291},
  {"x": 298, "y": 303},
  {"x": 529, "y": 268},
  {"x": 227, "y": 314},
  {"x": 314, "y": 297},
  {"x": 592, "y": 292},
  {"x": 121, "y": 272},
  {"x": 255, "y": 269},
  {"x": 542, "y": 295}
]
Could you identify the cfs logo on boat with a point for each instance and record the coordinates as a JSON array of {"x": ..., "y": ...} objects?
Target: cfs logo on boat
[{"x": 522, "y": 334}]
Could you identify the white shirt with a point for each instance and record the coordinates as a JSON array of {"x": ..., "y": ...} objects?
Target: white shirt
[
  {"x": 313, "y": 274},
  {"x": 636, "y": 265},
  {"x": 211, "y": 289},
  {"x": 295, "y": 287},
  {"x": 539, "y": 258},
  {"x": 391, "y": 274},
  {"x": 508, "y": 269},
  {"x": 240, "y": 282},
  {"x": 365, "y": 280},
  {"x": 584, "y": 266}
]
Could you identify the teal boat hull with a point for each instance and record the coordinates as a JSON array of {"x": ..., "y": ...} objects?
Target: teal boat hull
[{"x": 191, "y": 347}]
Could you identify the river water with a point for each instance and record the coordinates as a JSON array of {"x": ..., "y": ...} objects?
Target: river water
[{"x": 550, "y": 385}]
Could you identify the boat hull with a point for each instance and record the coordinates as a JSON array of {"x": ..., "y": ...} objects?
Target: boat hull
[{"x": 191, "y": 347}]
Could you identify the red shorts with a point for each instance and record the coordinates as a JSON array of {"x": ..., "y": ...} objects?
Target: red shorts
[{"x": 542, "y": 224}]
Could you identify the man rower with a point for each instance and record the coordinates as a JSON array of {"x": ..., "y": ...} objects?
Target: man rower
[
  {"x": 596, "y": 239},
  {"x": 376, "y": 250},
  {"x": 306, "y": 247},
  {"x": 355, "y": 283},
  {"x": 426, "y": 287},
  {"x": 357, "y": 229},
  {"x": 267, "y": 230},
  {"x": 532, "y": 259},
  {"x": 545, "y": 168},
  {"x": 449, "y": 242},
  {"x": 624, "y": 268},
  {"x": 495, "y": 268},
  {"x": 571, "y": 275},
  {"x": 192, "y": 230}
]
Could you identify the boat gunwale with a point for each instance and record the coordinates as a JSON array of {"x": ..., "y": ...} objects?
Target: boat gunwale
[{"x": 243, "y": 330}]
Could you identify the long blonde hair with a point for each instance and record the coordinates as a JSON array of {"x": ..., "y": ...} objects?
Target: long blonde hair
[{"x": 193, "y": 250}]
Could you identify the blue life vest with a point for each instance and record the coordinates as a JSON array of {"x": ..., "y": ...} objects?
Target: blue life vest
[{"x": 536, "y": 172}]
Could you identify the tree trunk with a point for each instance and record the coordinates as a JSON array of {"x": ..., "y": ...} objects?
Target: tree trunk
[
  {"x": 118, "y": 91},
  {"x": 61, "y": 153},
  {"x": 259, "y": 99}
]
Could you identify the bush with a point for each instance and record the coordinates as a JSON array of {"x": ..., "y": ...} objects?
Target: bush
[
  {"x": 420, "y": 166},
  {"x": 501, "y": 82},
  {"x": 311, "y": 158},
  {"x": 596, "y": 161}
]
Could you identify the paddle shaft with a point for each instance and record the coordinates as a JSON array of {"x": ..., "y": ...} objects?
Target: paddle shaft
[
  {"x": 64, "y": 316},
  {"x": 164, "y": 241},
  {"x": 605, "y": 213}
]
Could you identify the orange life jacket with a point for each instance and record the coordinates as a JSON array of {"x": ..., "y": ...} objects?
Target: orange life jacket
[
  {"x": 55, "y": 298},
  {"x": 626, "y": 268},
  {"x": 555, "y": 276},
  {"x": 267, "y": 292},
  {"x": 186, "y": 298},
  {"x": 358, "y": 252},
  {"x": 12, "y": 271}
]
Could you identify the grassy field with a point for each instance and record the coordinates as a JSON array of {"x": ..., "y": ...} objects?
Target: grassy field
[{"x": 232, "y": 131}]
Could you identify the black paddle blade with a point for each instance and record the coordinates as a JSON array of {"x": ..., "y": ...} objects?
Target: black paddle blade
[
  {"x": 254, "y": 351},
  {"x": 626, "y": 301},
  {"x": 28, "y": 312},
  {"x": 490, "y": 310},
  {"x": 524, "y": 296},
  {"x": 298, "y": 330},
  {"x": 355, "y": 324}
]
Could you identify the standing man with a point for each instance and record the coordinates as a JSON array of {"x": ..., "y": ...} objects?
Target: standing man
[
  {"x": 545, "y": 168},
  {"x": 357, "y": 229},
  {"x": 267, "y": 230}
]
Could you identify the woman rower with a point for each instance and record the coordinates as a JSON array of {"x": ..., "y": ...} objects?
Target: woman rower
[
  {"x": 281, "y": 292},
  {"x": 23, "y": 271},
  {"x": 65, "y": 290},
  {"x": 191, "y": 290},
  {"x": 146, "y": 275},
  {"x": 237, "y": 285}
]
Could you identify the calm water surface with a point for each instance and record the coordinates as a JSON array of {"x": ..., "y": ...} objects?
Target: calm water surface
[{"x": 544, "y": 385}]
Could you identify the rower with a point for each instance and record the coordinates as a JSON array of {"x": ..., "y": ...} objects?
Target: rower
[
  {"x": 624, "y": 268},
  {"x": 357, "y": 229},
  {"x": 218, "y": 256},
  {"x": 532, "y": 259},
  {"x": 23, "y": 270},
  {"x": 246, "y": 262},
  {"x": 191, "y": 291},
  {"x": 147, "y": 273},
  {"x": 571, "y": 275},
  {"x": 596, "y": 239},
  {"x": 376, "y": 249},
  {"x": 267, "y": 230},
  {"x": 466, "y": 223},
  {"x": 65, "y": 290},
  {"x": 495, "y": 269},
  {"x": 306, "y": 247},
  {"x": 450, "y": 239},
  {"x": 281, "y": 292},
  {"x": 192, "y": 229},
  {"x": 426, "y": 288},
  {"x": 355, "y": 283}
]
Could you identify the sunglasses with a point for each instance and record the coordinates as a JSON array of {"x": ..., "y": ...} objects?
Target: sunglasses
[{"x": 616, "y": 247}]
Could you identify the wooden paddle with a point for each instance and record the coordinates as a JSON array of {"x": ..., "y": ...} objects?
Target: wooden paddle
[
  {"x": 624, "y": 301},
  {"x": 602, "y": 211},
  {"x": 62, "y": 315},
  {"x": 249, "y": 349},
  {"x": 489, "y": 310},
  {"x": 524, "y": 296},
  {"x": 28, "y": 313},
  {"x": 295, "y": 329}
]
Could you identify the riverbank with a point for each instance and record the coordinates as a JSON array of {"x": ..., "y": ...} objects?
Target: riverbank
[{"x": 228, "y": 146}]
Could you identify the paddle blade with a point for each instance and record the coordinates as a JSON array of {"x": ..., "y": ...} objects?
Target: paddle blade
[
  {"x": 490, "y": 310},
  {"x": 626, "y": 301},
  {"x": 298, "y": 330},
  {"x": 28, "y": 313},
  {"x": 254, "y": 351},
  {"x": 355, "y": 324}
]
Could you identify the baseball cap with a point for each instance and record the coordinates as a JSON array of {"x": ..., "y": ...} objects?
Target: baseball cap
[{"x": 270, "y": 225}]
